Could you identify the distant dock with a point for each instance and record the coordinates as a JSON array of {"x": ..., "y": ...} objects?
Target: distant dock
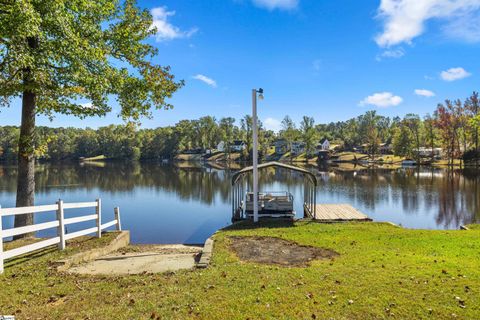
[{"x": 336, "y": 213}]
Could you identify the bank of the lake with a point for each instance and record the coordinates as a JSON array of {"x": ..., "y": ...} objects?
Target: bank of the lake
[
  {"x": 381, "y": 271},
  {"x": 186, "y": 202}
]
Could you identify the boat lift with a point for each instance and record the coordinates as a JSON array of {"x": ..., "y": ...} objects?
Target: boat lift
[{"x": 275, "y": 204}]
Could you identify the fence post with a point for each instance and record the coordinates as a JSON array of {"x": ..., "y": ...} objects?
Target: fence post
[
  {"x": 61, "y": 225},
  {"x": 1, "y": 244},
  {"x": 117, "y": 217},
  {"x": 99, "y": 218}
]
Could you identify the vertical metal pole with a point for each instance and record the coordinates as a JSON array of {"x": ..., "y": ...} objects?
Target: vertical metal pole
[
  {"x": 242, "y": 193},
  {"x": 116, "y": 210},
  {"x": 311, "y": 201},
  {"x": 61, "y": 225},
  {"x": 1, "y": 244},
  {"x": 233, "y": 201},
  {"x": 244, "y": 196},
  {"x": 305, "y": 200},
  {"x": 99, "y": 218},
  {"x": 255, "y": 156},
  {"x": 314, "y": 201}
]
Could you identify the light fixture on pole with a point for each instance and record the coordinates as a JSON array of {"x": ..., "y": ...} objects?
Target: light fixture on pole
[{"x": 255, "y": 150}]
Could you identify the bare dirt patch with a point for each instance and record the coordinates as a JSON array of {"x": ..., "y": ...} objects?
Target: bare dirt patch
[{"x": 277, "y": 251}]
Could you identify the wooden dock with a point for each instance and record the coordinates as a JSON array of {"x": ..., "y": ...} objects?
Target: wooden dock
[{"x": 338, "y": 212}]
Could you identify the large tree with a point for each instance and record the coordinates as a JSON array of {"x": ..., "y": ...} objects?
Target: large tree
[
  {"x": 472, "y": 105},
  {"x": 414, "y": 124},
  {"x": 227, "y": 130},
  {"x": 309, "y": 134},
  {"x": 446, "y": 120},
  {"x": 369, "y": 130},
  {"x": 289, "y": 132},
  {"x": 55, "y": 53},
  {"x": 430, "y": 134}
]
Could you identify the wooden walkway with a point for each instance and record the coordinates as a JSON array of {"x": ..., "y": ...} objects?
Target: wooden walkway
[{"x": 339, "y": 212}]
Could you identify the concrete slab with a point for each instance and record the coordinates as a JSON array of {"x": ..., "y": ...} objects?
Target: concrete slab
[
  {"x": 206, "y": 254},
  {"x": 139, "y": 259},
  {"x": 121, "y": 240}
]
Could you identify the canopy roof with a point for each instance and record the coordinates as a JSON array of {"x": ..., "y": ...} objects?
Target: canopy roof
[{"x": 274, "y": 164}]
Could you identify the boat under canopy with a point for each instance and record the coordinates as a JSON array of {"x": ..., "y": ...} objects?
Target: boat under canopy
[{"x": 272, "y": 204}]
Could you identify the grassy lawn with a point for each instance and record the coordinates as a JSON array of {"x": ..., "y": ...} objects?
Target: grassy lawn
[
  {"x": 350, "y": 156},
  {"x": 390, "y": 158},
  {"x": 382, "y": 271},
  {"x": 445, "y": 163},
  {"x": 97, "y": 158},
  {"x": 188, "y": 157}
]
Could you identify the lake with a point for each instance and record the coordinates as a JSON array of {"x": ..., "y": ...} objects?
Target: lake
[{"x": 187, "y": 202}]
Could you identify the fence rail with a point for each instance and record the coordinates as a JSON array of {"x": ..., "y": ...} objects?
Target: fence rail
[{"x": 59, "y": 223}]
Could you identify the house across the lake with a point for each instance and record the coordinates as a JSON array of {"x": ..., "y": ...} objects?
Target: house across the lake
[
  {"x": 281, "y": 146},
  {"x": 298, "y": 148},
  {"x": 221, "y": 146},
  {"x": 238, "y": 146},
  {"x": 428, "y": 152},
  {"x": 385, "y": 148},
  {"x": 323, "y": 145}
]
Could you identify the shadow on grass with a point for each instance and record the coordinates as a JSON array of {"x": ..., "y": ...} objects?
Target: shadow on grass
[
  {"x": 263, "y": 223},
  {"x": 29, "y": 256}
]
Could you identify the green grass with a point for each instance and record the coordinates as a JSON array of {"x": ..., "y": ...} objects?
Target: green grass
[
  {"x": 473, "y": 226},
  {"x": 97, "y": 158},
  {"x": 444, "y": 163},
  {"x": 351, "y": 156},
  {"x": 385, "y": 271}
]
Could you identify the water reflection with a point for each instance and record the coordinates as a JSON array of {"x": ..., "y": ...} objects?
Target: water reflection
[{"x": 187, "y": 202}]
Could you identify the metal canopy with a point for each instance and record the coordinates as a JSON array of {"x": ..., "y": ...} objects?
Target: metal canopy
[
  {"x": 245, "y": 170},
  {"x": 239, "y": 185}
]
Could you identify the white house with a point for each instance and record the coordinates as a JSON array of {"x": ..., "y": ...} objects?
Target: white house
[
  {"x": 428, "y": 152},
  {"x": 238, "y": 146},
  {"x": 221, "y": 146},
  {"x": 324, "y": 145}
]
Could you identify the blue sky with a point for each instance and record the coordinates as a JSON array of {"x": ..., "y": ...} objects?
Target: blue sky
[{"x": 330, "y": 59}]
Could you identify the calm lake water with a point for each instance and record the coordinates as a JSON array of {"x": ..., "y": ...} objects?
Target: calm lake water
[{"x": 187, "y": 202}]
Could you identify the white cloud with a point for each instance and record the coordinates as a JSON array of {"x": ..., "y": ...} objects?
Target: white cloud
[
  {"x": 394, "y": 54},
  {"x": 166, "y": 30},
  {"x": 205, "y": 79},
  {"x": 381, "y": 100},
  {"x": 464, "y": 29},
  {"x": 277, "y": 4},
  {"x": 405, "y": 20},
  {"x": 87, "y": 105},
  {"x": 453, "y": 74},
  {"x": 424, "y": 93},
  {"x": 272, "y": 124}
]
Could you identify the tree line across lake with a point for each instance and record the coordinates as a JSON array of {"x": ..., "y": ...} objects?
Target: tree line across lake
[{"x": 454, "y": 126}]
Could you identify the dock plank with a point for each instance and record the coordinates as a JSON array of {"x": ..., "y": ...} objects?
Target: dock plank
[{"x": 339, "y": 212}]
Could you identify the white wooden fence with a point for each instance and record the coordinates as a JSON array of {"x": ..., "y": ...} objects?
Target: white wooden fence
[{"x": 59, "y": 223}]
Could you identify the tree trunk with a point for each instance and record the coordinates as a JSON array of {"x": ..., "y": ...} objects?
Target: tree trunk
[
  {"x": 476, "y": 148},
  {"x": 26, "y": 162},
  {"x": 432, "y": 145},
  {"x": 26, "y": 149}
]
